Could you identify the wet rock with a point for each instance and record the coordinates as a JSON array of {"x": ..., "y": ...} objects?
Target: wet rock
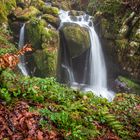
[
  {"x": 127, "y": 85},
  {"x": 50, "y": 10},
  {"x": 42, "y": 62},
  {"x": 26, "y": 14},
  {"x": 15, "y": 27},
  {"x": 77, "y": 39},
  {"x": 76, "y": 13},
  {"x": 54, "y": 21}
]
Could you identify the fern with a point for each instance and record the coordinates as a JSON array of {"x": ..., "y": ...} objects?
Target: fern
[{"x": 113, "y": 123}]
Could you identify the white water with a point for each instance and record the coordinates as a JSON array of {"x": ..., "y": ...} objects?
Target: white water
[
  {"x": 70, "y": 73},
  {"x": 98, "y": 76},
  {"x": 21, "y": 64}
]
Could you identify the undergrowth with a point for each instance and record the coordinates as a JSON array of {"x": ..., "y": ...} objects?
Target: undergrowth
[
  {"x": 5, "y": 45},
  {"x": 76, "y": 115}
]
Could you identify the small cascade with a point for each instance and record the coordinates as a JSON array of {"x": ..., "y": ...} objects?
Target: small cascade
[
  {"x": 21, "y": 64},
  {"x": 96, "y": 73}
]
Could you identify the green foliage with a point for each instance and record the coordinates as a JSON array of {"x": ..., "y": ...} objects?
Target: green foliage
[
  {"x": 72, "y": 112},
  {"x": 5, "y": 95},
  {"x": 126, "y": 109},
  {"x": 5, "y": 45},
  {"x": 5, "y": 7}
]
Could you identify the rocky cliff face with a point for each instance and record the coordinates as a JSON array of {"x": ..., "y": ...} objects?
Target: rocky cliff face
[{"x": 124, "y": 39}]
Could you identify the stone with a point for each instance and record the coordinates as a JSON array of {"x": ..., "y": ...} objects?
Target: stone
[
  {"x": 77, "y": 39},
  {"x": 50, "y": 10},
  {"x": 54, "y": 21},
  {"x": 25, "y": 14},
  {"x": 45, "y": 43}
]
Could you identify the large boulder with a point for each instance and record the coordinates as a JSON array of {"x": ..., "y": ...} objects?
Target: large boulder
[
  {"x": 42, "y": 62},
  {"x": 76, "y": 38}
]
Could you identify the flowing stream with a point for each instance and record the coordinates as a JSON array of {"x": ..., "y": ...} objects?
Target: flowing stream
[
  {"x": 97, "y": 81},
  {"x": 21, "y": 65}
]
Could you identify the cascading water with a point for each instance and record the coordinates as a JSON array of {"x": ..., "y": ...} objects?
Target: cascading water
[
  {"x": 21, "y": 64},
  {"x": 97, "y": 81}
]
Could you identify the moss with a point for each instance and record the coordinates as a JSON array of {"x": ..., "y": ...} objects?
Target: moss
[
  {"x": 45, "y": 42},
  {"x": 5, "y": 45},
  {"x": 38, "y": 4},
  {"x": 50, "y": 10},
  {"x": 37, "y": 33},
  {"x": 106, "y": 6},
  {"x": 52, "y": 59},
  {"x": 51, "y": 19},
  {"x": 34, "y": 31},
  {"x": 5, "y": 9},
  {"x": 133, "y": 85},
  {"x": 26, "y": 14},
  {"x": 122, "y": 44},
  {"x": 77, "y": 39},
  {"x": 40, "y": 59}
]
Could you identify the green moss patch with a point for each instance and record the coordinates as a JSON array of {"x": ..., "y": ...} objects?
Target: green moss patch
[
  {"x": 133, "y": 85},
  {"x": 5, "y": 45}
]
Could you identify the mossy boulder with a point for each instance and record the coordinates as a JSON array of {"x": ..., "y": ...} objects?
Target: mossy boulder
[
  {"x": 54, "y": 21},
  {"x": 77, "y": 39},
  {"x": 50, "y": 10},
  {"x": 132, "y": 85},
  {"x": 5, "y": 8},
  {"x": 45, "y": 62},
  {"x": 34, "y": 30},
  {"x": 45, "y": 43},
  {"x": 25, "y": 14}
]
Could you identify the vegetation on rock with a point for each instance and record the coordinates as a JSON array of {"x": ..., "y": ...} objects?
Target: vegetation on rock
[
  {"x": 45, "y": 42},
  {"x": 77, "y": 39},
  {"x": 5, "y": 9},
  {"x": 25, "y": 14}
]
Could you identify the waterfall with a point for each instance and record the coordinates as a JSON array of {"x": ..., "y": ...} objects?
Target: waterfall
[
  {"x": 97, "y": 82},
  {"x": 21, "y": 64}
]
